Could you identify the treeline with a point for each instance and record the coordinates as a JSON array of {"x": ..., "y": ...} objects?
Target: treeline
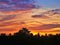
[{"x": 24, "y": 37}]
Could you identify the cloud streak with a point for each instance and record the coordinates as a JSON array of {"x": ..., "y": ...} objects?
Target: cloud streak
[
  {"x": 40, "y": 16},
  {"x": 45, "y": 26},
  {"x": 7, "y": 17}
]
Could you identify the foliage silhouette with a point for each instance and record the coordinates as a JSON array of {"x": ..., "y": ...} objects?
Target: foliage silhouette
[{"x": 24, "y": 37}]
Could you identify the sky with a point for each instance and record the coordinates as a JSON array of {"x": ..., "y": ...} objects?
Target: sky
[
  {"x": 41, "y": 16},
  {"x": 49, "y": 3}
]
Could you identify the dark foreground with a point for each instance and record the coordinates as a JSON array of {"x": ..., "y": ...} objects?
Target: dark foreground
[{"x": 24, "y": 37}]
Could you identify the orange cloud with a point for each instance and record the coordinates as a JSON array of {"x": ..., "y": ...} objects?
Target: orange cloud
[{"x": 13, "y": 21}]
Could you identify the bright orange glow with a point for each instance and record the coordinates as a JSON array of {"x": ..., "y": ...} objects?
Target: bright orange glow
[{"x": 36, "y": 24}]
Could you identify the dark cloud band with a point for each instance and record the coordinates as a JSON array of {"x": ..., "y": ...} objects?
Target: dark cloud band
[{"x": 45, "y": 26}]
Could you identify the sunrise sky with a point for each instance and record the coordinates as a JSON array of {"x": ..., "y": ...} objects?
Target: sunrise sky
[{"x": 41, "y": 16}]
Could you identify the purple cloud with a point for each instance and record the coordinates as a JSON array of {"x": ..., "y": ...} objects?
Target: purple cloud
[
  {"x": 8, "y": 5},
  {"x": 7, "y": 24},
  {"x": 3, "y": 24},
  {"x": 46, "y": 26},
  {"x": 8, "y": 17},
  {"x": 40, "y": 16}
]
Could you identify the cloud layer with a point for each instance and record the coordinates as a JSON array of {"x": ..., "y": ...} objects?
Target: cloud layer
[
  {"x": 15, "y": 14},
  {"x": 11, "y": 5}
]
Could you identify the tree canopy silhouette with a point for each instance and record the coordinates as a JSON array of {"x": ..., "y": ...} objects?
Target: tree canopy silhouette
[{"x": 24, "y": 37}]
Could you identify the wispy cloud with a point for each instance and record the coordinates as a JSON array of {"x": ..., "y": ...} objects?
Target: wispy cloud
[
  {"x": 7, "y": 5},
  {"x": 40, "y": 16},
  {"x": 7, "y": 17},
  {"x": 45, "y": 26}
]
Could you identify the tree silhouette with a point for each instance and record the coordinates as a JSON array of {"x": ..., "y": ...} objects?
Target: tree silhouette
[
  {"x": 3, "y": 34},
  {"x": 24, "y": 37},
  {"x": 23, "y": 31}
]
